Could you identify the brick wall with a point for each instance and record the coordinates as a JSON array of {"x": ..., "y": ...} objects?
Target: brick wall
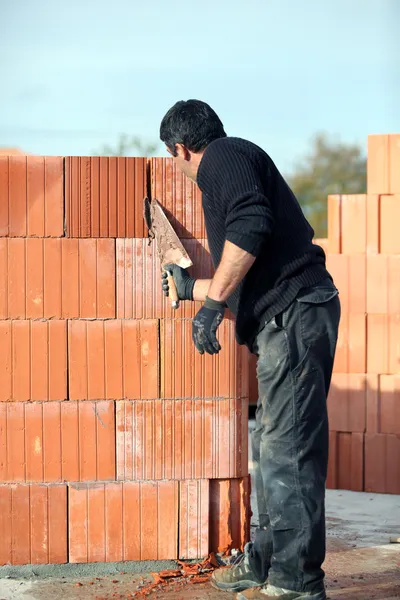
[{"x": 117, "y": 440}]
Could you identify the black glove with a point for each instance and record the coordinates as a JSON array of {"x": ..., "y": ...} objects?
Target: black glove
[
  {"x": 205, "y": 325},
  {"x": 184, "y": 283}
]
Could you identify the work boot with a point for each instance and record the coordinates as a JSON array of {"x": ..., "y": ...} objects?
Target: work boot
[
  {"x": 270, "y": 592},
  {"x": 238, "y": 576}
]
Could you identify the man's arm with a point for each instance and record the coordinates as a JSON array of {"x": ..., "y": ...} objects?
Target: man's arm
[{"x": 234, "y": 265}]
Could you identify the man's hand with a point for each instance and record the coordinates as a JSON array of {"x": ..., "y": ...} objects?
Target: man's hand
[
  {"x": 184, "y": 283},
  {"x": 205, "y": 325}
]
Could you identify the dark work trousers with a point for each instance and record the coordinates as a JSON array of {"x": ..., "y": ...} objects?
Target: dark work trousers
[{"x": 295, "y": 353}]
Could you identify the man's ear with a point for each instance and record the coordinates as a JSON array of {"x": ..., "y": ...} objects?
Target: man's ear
[{"x": 183, "y": 152}]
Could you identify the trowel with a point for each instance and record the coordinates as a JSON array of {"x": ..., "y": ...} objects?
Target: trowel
[{"x": 169, "y": 247}]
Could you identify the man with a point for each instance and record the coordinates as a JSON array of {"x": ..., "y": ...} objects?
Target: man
[{"x": 287, "y": 311}]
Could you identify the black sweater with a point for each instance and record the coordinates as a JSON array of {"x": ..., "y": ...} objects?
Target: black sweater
[{"x": 247, "y": 202}]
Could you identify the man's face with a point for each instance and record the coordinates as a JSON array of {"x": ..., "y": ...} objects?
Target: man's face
[{"x": 184, "y": 161}]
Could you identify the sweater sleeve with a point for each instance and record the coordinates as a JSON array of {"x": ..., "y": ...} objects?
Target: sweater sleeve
[{"x": 248, "y": 214}]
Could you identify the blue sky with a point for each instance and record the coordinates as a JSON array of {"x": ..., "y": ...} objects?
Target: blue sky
[{"x": 76, "y": 74}]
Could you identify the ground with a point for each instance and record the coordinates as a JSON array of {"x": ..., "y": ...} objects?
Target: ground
[{"x": 361, "y": 562}]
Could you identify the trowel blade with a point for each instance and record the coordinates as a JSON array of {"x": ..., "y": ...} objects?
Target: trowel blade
[{"x": 169, "y": 246}]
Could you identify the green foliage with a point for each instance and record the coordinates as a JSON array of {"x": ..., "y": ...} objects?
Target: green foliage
[
  {"x": 129, "y": 146},
  {"x": 331, "y": 167}
]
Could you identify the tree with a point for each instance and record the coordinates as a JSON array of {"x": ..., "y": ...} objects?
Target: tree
[
  {"x": 129, "y": 146},
  {"x": 331, "y": 167}
]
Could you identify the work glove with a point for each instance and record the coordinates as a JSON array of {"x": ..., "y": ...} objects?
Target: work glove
[
  {"x": 205, "y": 325},
  {"x": 184, "y": 283}
]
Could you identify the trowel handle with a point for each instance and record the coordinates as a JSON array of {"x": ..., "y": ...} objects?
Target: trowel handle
[{"x": 172, "y": 291}]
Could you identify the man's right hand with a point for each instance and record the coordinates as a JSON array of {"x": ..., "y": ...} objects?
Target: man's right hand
[{"x": 184, "y": 283}]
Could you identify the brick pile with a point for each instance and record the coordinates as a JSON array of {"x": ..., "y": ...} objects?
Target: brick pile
[
  {"x": 363, "y": 255},
  {"x": 117, "y": 440}
]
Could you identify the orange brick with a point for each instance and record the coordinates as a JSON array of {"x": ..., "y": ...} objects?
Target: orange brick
[
  {"x": 389, "y": 404},
  {"x": 378, "y": 344},
  {"x": 354, "y": 224},
  {"x": 334, "y": 224},
  {"x": 193, "y": 519},
  {"x": 34, "y": 360},
  {"x": 17, "y": 196},
  {"x": 33, "y": 524},
  {"x": 180, "y": 198},
  {"x": 390, "y": 216},
  {"x": 394, "y": 343},
  {"x": 4, "y": 189},
  {"x": 382, "y": 453},
  {"x": 185, "y": 373},
  {"x": 6, "y": 362},
  {"x": 373, "y": 224},
  {"x": 16, "y": 278},
  {"x": 229, "y": 513},
  {"x": 181, "y": 439},
  {"x": 394, "y": 164},
  {"x": 123, "y": 521},
  {"x": 104, "y": 196},
  {"x": 52, "y": 279},
  {"x": 383, "y": 284},
  {"x": 349, "y": 275},
  {"x": 127, "y": 349},
  {"x": 351, "y": 349},
  {"x": 34, "y": 188},
  {"x": 53, "y": 441},
  {"x": 372, "y": 416},
  {"x": 347, "y": 403},
  {"x": 346, "y": 461},
  {"x": 378, "y": 181},
  {"x": 139, "y": 292}
]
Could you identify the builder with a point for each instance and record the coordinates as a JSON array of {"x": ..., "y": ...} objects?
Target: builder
[{"x": 274, "y": 279}]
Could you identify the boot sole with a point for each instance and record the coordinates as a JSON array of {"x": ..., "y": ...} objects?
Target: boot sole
[
  {"x": 318, "y": 596},
  {"x": 237, "y": 586}
]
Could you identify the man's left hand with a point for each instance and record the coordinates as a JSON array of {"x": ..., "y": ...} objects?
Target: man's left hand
[{"x": 205, "y": 325}]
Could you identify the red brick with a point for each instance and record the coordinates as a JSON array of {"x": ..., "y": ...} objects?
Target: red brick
[
  {"x": 347, "y": 403},
  {"x": 6, "y": 362},
  {"x": 180, "y": 198},
  {"x": 354, "y": 224},
  {"x": 33, "y": 524},
  {"x": 33, "y": 365},
  {"x": 123, "y": 521},
  {"x": 390, "y": 216},
  {"x": 129, "y": 349},
  {"x": 57, "y": 278},
  {"x": 16, "y": 278},
  {"x": 346, "y": 461},
  {"x": 185, "y": 373},
  {"x": 382, "y": 454},
  {"x": 139, "y": 292},
  {"x": 104, "y": 196},
  {"x": 34, "y": 188},
  {"x": 378, "y": 181},
  {"x": 229, "y": 514},
  {"x": 53, "y": 441},
  {"x": 394, "y": 163},
  {"x": 17, "y": 196},
  {"x": 181, "y": 439},
  {"x": 193, "y": 518}
]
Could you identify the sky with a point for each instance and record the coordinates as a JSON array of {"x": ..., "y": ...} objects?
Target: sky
[{"x": 75, "y": 75}]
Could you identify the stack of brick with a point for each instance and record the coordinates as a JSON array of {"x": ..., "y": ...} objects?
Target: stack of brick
[
  {"x": 117, "y": 441},
  {"x": 363, "y": 255},
  {"x": 364, "y": 258}
]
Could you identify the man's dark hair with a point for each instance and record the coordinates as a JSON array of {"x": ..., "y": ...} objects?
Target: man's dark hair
[{"x": 193, "y": 124}]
